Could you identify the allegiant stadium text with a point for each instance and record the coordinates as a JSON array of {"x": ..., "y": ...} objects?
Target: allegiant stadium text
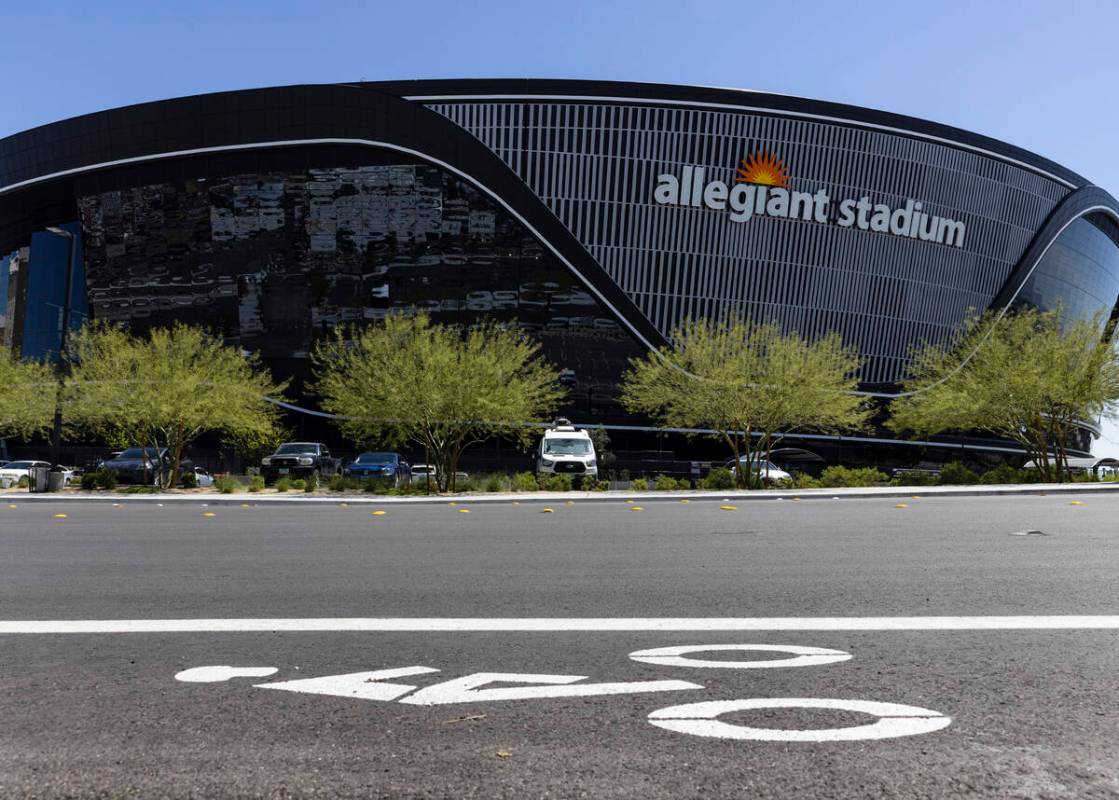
[{"x": 747, "y": 200}]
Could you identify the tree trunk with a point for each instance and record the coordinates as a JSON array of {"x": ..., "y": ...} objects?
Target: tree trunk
[{"x": 176, "y": 454}]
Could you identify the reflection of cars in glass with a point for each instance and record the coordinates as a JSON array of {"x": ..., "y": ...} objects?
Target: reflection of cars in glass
[
  {"x": 11, "y": 472},
  {"x": 380, "y": 466},
  {"x": 421, "y": 473},
  {"x": 766, "y": 470},
  {"x": 299, "y": 459},
  {"x": 567, "y": 450},
  {"x": 136, "y": 463}
]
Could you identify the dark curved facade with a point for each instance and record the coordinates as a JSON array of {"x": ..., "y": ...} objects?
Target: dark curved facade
[{"x": 596, "y": 215}]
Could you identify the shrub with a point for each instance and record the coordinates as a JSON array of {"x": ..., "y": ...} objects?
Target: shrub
[
  {"x": 554, "y": 483},
  {"x": 227, "y": 484},
  {"x": 525, "y": 482},
  {"x": 666, "y": 484},
  {"x": 957, "y": 473},
  {"x": 495, "y": 483},
  {"x": 23, "y": 482},
  {"x": 840, "y": 477},
  {"x": 283, "y": 484},
  {"x": 139, "y": 489},
  {"x": 189, "y": 480},
  {"x": 639, "y": 484},
  {"x": 1003, "y": 473},
  {"x": 337, "y": 483},
  {"x": 917, "y": 478},
  {"x": 89, "y": 481},
  {"x": 718, "y": 478},
  {"x": 256, "y": 483},
  {"x": 802, "y": 480}
]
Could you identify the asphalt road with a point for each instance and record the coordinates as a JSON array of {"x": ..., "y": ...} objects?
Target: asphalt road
[{"x": 1020, "y": 713}]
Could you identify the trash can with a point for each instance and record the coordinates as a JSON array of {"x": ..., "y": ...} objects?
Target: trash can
[
  {"x": 37, "y": 479},
  {"x": 55, "y": 481}
]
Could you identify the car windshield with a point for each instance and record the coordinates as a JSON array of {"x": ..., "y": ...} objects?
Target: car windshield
[
  {"x": 138, "y": 452},
  {"x": 375, "y": 458},
  {"x": 296, "y": 447},
  {"x": 567, "y": 447},
  {"x": 18, "y": 465}
]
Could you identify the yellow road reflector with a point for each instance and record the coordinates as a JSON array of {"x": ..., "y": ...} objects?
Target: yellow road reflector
[
  {"x": 464, "y": 511},
  {"x": 796, "y": 499},
  {"x": 1076, "y": 503},
  {"x": 60, "y": 516},
  {"x": 569, "y": 503},
  {"x": 516, "y": 502},
  {"x": 685, "y": 501},
  {"x": 244, "y": 505},
  {"x": 729, "y": 508},
  {"x": 377, "y": 513},
  {"x": 548, "y": 511},
  {"x": 344, "y": 505},
  {"x": 916, "y": 497},
  {"x": 12, "y": 505},
  {"x": 503, "y": 754},
  {"x": 452, "y": 503},
  {"x": 209, "y": 514},
  {"x": 636, "y": 508},
  {"x": 901, "y": 505}
]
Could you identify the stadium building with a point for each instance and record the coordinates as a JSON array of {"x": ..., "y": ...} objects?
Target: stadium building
[{"x": 596, "y": 215}]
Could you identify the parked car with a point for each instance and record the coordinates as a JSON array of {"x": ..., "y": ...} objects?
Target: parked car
[
  {"x": 421, "y": 473},
  {"x": 769, "y": 472},
  {"x": 11, "y": 472},
  {"x": 202, "y": 478},
  {"x": 144, "y": 464},
  {"x": 300, "y": 459},
  {"x": 567, "y": 450},
  {"x": 382, "y": 466}
]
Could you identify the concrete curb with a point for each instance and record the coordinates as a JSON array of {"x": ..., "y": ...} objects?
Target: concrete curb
[{"x": 561, "y": 497}]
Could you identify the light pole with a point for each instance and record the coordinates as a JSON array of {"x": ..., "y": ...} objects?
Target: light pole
[{"x": 60, "y": 370}]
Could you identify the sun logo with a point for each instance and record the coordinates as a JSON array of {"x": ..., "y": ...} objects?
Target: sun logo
[{"x": 764, "y": 168}]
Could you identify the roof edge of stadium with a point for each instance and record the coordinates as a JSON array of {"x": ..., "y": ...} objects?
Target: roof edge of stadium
[{"x": 466, "y": 89}]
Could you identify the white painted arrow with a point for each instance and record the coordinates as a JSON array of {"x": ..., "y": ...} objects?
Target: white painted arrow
[
  {"x": 362, "y": 685},
  {"x": 466, "y": 690}
]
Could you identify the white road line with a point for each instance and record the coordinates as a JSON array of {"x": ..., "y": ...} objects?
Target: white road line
[{"x": 560, "y": 624}]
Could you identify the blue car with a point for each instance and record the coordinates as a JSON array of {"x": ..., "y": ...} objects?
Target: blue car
[{"x": 382, "y": 466}]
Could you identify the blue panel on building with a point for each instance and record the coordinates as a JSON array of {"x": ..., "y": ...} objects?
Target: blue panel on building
[{"x": 46, "y": 292}]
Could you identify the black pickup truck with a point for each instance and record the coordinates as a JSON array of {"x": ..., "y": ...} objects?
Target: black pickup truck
[{"x": 298, "y": 460}]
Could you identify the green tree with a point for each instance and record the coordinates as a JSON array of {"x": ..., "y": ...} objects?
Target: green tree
[
  {"x": 745, "y": 380},
  {"x": 165, "y": 390},
  {"x": 436, "y": 386},
  {"x": 1023, "y": 376},
  {"x": 27, "y": 395}
]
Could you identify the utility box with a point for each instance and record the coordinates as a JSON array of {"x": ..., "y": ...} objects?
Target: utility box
[{"x": 37, "y": 479}]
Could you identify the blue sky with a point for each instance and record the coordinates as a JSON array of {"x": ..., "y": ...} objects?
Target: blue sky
[{"x": 1040, "y": 75}]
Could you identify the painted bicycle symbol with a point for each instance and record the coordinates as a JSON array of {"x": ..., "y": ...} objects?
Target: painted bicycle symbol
[{"x": 696, "y": 719}]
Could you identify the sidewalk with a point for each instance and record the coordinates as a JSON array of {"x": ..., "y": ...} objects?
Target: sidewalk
[{"x": 299, "y": 498}]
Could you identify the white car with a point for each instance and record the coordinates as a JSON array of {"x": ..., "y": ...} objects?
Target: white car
[
  {"x": 203, "y": 478},
  {"x": 11, "y": 473},
  {"x": 769, "y": 472},
  {"x": 567, "y": 450},
  {"x": 422, "y": 473}
]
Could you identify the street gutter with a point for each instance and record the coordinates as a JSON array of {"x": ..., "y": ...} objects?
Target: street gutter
[{"x": 614, "y": 496}]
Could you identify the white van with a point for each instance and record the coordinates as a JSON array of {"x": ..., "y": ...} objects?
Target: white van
[{"x": 567, "y": 450}]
